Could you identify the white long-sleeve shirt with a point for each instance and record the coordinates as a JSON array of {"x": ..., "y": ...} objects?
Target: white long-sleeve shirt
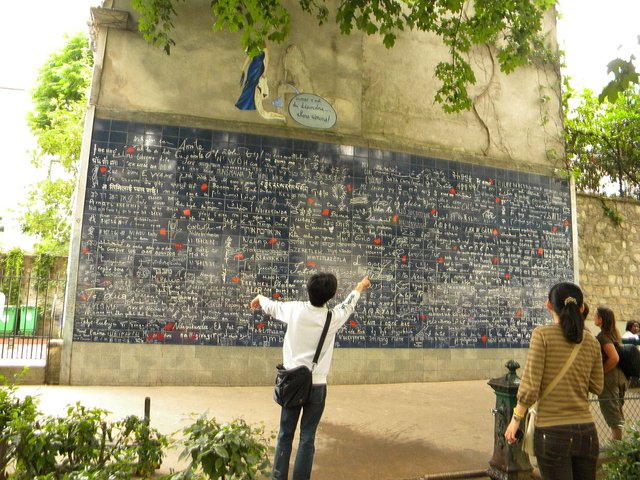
[{"x": 304, "y": 328}]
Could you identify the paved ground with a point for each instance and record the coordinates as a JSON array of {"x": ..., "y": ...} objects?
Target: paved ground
[{"x": 399, "y": 431}]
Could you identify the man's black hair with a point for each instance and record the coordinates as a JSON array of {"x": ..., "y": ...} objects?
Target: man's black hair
[{"x": 321, "y": 288}]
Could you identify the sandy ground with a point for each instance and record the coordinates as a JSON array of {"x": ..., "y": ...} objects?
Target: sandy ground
[{"x": 398, "y": 431}]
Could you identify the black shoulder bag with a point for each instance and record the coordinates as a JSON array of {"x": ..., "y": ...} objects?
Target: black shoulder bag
[{"x": 293, "y": 385}]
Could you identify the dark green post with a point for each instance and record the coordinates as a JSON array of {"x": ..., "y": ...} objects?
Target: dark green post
[
  {"x": 147, "y": 409},
  {"x": 509, "y": 462}
]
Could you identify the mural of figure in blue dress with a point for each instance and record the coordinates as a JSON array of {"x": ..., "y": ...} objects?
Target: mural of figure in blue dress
[
  {"x": 254, "y": 85},
  {"x": 252, "y": 70}
]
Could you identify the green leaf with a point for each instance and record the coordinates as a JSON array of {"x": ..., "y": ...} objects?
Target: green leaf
[{"x": 625, "y": 74}]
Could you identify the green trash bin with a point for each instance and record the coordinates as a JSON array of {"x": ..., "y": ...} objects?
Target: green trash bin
[
  {"x": 8, "y": 320},
  {"x": 28, "y": 320}
]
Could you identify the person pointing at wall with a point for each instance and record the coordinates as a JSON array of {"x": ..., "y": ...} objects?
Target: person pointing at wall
[{"x": 305, "y": 322}]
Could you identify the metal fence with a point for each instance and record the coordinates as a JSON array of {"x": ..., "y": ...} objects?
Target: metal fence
[
  {"x": 631, "y": 411},
  {"x": 30, "y": 318}
]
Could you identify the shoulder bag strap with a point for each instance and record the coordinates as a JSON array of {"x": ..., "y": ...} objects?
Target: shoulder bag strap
[
  {"x": 561, "y": 373},
  {"x": 322, "y": 337}
]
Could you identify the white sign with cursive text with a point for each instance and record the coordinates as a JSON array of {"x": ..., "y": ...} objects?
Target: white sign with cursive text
[{"x": 312, "y": 111}]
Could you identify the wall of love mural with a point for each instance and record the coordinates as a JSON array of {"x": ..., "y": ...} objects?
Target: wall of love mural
[{"x": 183, "y": 226}]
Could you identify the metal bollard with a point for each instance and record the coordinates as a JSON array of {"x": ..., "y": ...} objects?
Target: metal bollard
[
  {"x": 147, "y": 409},
  {"x": 509, "y": 462}
]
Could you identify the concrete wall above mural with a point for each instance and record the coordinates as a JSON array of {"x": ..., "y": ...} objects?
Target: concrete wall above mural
[{"x": 380, "y": 96}]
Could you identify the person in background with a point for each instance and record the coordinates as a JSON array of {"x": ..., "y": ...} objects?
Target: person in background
[
  {"x": 615, "y": 381},
  {"x": 305, "y": 321},
  {"x": 631, "y": 333},
  {"x": 566, "y": 440}
]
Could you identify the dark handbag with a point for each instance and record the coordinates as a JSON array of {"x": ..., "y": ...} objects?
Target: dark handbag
[
  {"x": 629, "y": 360},
  {"x": 293, "y": 385}
]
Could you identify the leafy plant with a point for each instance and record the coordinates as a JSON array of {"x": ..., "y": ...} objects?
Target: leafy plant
[
  {"x": 228, "y": 451},
  {"x": 80, "y": 437},
  {"x": 16, "y": 417},
  {"x": 611, "y": 213},
  {"x": 156, "y": 22},
  {"x": 12, "y": 265},
  {"x": 85, "y": 445},
  {"x": 602, "y": 142},
  {"x": 42, "y": 269},
  {"x": 89, "y": 443},
  {"x": 625, "y": 75},
  {"x": 81, "y": 445},
  {"x": 149, "y": 445},
  {"x": 623, "y": 456}
]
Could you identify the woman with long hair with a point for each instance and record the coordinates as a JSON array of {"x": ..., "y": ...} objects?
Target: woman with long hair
[
  {"x": 566, "y": 441},
  {"x": 615, "y": 381}
]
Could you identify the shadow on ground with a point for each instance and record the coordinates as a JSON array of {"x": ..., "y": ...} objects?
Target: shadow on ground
[{"x": 346, "y": 454}]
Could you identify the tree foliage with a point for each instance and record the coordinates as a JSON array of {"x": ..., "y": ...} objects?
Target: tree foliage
[
  {"x": 513, "y": 26},
  {"x": 603, "y": 142},
  {"x": 623, "y": 456},
  {"x": 624, "y": 75},
  {"x": 59, "y": 101}
]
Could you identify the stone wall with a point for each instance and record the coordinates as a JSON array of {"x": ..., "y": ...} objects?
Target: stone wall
[{"x": 610, "y": 257}]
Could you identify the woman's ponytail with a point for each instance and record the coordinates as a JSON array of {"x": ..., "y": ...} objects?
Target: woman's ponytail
[{"x": 566, "y": 299}]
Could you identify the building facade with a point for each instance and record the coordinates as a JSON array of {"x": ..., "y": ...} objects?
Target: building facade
[{"x": 209, "y": 177}]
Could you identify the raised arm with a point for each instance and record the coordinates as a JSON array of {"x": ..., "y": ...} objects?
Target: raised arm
[
  {"x": 255, "y": 303},
  {"x": 363, "y": 284},
  {"x": 343, "y": 311}
]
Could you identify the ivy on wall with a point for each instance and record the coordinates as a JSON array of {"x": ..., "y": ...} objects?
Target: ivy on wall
[
  {"x": 12, "y": 266},
  {"x": 42, "y": 270}
]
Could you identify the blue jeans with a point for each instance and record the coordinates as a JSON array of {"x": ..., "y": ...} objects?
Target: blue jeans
[
  {"x": 311, "y": 414},
  {"x": 567, "y": 452}
]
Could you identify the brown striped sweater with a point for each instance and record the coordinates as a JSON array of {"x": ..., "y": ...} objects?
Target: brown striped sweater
[{"x": 567, "y": 403}]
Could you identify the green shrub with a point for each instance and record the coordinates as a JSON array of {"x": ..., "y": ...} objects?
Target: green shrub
[
  {"x": 16, "y": 418},
  {"x": 227, "y": 451},
  {"x": 81, "y": 445},
  {"x": 85, "y": 445},
  {"x": 623, "y": 456}
]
